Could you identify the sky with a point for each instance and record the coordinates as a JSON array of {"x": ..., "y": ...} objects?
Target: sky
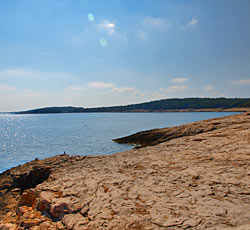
[{"x": 93, "y": 53}]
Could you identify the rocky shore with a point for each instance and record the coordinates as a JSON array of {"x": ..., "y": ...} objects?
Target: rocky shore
[{"x": 195, "y": 176}]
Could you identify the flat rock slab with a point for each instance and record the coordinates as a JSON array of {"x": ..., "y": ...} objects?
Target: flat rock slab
[{"x": 198, "y": 181}]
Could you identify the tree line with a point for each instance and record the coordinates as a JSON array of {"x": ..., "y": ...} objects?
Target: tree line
[{"x": 158, "y": 105}]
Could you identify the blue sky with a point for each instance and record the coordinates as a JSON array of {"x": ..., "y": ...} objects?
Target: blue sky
[{"x": 99, "y": 53}]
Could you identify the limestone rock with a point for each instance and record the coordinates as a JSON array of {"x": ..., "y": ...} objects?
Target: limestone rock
[
  {"x": 197, "y": 180},
  {"x": 8, "y": 226}
]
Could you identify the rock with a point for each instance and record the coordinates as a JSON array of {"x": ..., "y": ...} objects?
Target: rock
[
  {"x": 28, "y": 223},
  {"x": 59, "y": 225},
  {"x": 8, "y": 226},
  {"x": 35, "y": 228},
  {"x": 62, "y": 206},
  {"x": 45, "y": 225},
  {"x": 28, "y": 198},
  {"x": 73, "y": 221},
  {"x": 45, "y": 199},
  {"x": 23, "y": 209},
  {"x": 199, "y": 182},
  {"x": 220, "y": 211}
]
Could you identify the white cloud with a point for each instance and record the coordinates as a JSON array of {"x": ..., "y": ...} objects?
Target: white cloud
[
  {"x": 16, "y": 72},
  {"x": 20, "y": 73},
  {"x": 6, "y": 88},
  {"x": 124, "y": 89},
  {"x": 107, "y": 26},
  {"x": 209, "y": 88},
  {"x": 193, "y": 22},
  {"x": 174, "y": 89},
  {"x": 14, "y": 99},
  {"x": 75, "y": 88},
  {"x": 241, "y": 82},
  {"x": 106, "y": 30},
  {"x": 180, "y": 80},
  {"x": 31, "y": 73},
  {"x": 100, "y": 85}
]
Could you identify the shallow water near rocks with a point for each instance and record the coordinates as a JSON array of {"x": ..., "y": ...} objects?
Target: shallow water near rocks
[{"x": 26, "y": 137}]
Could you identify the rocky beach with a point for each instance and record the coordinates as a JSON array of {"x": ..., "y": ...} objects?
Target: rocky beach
[{"x": 194, "y": 176}]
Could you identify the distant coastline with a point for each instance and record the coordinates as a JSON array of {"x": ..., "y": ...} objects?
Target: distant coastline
[{"x": 164, "y": 105}]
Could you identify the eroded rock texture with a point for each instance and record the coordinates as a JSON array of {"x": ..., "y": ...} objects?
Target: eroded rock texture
[{"x": 199, "y": 181}]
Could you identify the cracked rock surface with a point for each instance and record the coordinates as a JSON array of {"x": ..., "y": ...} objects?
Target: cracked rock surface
[{"x": 198, "y": 181}]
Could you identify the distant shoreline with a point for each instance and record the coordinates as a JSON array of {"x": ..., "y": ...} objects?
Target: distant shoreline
[
  {"x": 164, "y": 105},
  {"x": 144, "y": 111}
]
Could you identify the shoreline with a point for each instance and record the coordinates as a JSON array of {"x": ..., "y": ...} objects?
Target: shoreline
[
  {"x": 156, "y": 136},
  {"x": 143, "y": 111},
  {"x": 198, "y": 179}
]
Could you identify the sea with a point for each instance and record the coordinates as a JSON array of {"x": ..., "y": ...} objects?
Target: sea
[{"x": 26, "y": 137}]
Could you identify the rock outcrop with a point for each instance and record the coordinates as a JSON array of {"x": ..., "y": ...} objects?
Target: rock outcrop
[
  {"x": 200, "y": 180},
  {"x": 156, "y": 136}
]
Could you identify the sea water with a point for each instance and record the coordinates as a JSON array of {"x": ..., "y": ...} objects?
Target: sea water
[{"x": 26, "y": 137}]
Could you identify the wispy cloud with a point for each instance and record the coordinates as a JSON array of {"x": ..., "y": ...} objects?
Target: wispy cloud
[
  {"x": 100, "y": 85},
  {"x": 21, "y": 73},
  {"x": 174, "y": 89},
  {"x": 102, "y": 33},
  {"x": 241, "y": 82},
  {"x": 124, "y": 89},
  {"x": 193, "y": 22},
  {"x": 107, "y": 26},
  {"x": 179, "y": 80},
  {"x": 75, "y": 88},
  {"x": 209, "y": 88},
  {"x": 141, "y": 34},
  {"x": 16, "y": 72},
  {"x": 156, "y": 23},
  {"x": 6, "y": 88},
  {"x": 104, "y": 85},
  {"x": 27, "y": 73}
]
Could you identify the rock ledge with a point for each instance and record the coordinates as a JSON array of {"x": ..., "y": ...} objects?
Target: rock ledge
[{"x": 196, "y": 176}]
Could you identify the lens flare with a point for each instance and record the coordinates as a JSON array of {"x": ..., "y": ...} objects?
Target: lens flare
[
  {"x": 91, "y": 17},
  {"x": 103, "y": 42}
]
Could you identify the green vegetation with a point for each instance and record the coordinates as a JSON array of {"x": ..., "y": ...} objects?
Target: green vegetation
[
  {"x": 68, "y": 109},
  {"x": 159, "y": 105}
]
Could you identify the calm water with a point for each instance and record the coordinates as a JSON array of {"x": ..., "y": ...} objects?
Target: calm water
[{"x": 25, "y": 137}]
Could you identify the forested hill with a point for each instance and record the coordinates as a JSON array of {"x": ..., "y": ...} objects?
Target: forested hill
[
  {"x": 159, "y": 105},
  {"x": 66, "y": 109}
]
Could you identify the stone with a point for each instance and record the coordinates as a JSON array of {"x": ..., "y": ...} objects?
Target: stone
[
  {"x": 28, "y": 198},
  {"x": 45, "y": 199},
  {"x": 71, "y": 221},
  {"x": 8, "y": 226},
  {"x": 199, "y": 181},
  {"x": 28, "y": 223}
]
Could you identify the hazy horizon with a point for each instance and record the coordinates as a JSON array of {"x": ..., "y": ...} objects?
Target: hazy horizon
[{"x": 89, "y": 53}]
